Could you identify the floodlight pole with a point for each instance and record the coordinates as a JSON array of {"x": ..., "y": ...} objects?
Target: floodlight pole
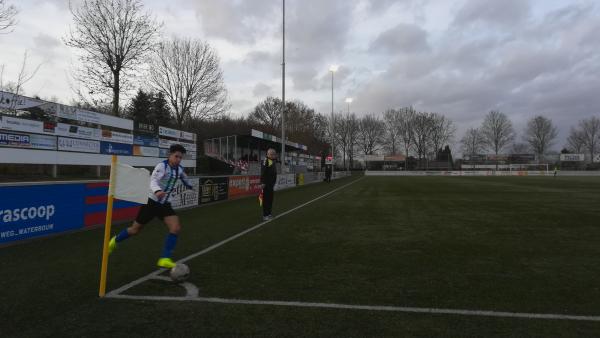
[{"x": 332, "y": 126}]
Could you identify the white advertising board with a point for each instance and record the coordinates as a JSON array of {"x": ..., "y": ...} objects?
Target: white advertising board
[
  {"x": 78, "y": 145},
  {"x": 572, "y": 157}
]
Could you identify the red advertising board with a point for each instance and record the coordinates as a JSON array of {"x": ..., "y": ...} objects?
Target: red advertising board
[{"x": 240, "y": 186}]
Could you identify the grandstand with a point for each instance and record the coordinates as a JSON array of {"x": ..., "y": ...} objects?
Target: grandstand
[{"x": 244, "y": 152}]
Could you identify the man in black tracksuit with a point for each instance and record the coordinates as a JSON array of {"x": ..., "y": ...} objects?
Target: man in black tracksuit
[{"x": 268, "y": 178}]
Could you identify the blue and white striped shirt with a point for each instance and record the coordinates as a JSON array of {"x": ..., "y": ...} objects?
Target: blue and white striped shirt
[{"x": 164, "y": 178}]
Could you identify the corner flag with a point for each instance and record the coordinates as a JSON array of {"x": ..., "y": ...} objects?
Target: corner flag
[
  {"x": 131, "y": 184},
  {"x": 126, "y": 183}
]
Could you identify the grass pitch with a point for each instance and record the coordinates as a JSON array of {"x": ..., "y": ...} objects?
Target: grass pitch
[{"x": 503, "y": 244}]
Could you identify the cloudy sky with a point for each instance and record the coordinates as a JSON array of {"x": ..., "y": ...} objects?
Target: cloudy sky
[{"x": 461, "y": 58}]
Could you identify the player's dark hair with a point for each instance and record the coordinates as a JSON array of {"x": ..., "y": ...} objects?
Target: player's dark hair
[{"x": 176, "y": 148}]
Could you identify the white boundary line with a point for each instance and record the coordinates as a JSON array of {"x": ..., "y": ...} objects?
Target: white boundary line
[
  {"x": 154, "y": 274},
  {"x": 404, "y": 309}
]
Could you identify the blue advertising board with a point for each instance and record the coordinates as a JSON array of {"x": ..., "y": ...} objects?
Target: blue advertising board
[
  {"x": 32, "y": 141},
  {"x": 40, "y": 210},
  {"x": 15, "y": 140},
  {"x": 145, "y": 140},
  {"x": 113, "y": 148}
]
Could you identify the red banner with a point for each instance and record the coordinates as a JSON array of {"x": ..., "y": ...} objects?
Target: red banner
[{"x": 240, "y": 186}]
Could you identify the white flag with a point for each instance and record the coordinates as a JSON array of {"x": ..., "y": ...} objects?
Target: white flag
[{"x": 132, "y": 184}]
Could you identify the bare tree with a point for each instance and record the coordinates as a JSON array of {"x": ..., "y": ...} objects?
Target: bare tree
[
  {"x": 332, "y": 137},
  {"x": 114, "y": 37},
  {"x": 342, "y": 135},
  {"x": 392, "y": 120},
  {"x": 347, "y": 127},
  {"x": 188, "y": 73},
  {"x": 540, "y": 134},
  {"x": 3, "y": 85},
  {"x": 575, "y": 142},
  {"x": 497, "y": 131},
  {"x": 472, "y": 142},
  {"x": 24, "y": 76},
  {"x": 590, "y": 133},
  {"x": 406, "y": 131},
  {"x": 319, "y": 127},
  {"x": 8, "y": 16},
  {"x": 267, "y": 114},
  {"x": 422, "y": 127},
  {"x": 442, "y": 131},
  {"x": 520, "y": 148},
  {"x": 353, "y": 133},
  {"x": 299, "y": 118},
  {"x": 370, "y": 134}
]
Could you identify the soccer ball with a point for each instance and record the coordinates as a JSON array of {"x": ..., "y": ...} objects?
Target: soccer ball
[{"x": 179, "y": 273}]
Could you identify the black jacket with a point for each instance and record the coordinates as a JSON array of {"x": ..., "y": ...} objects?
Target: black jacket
[{"x": 268, "y": 173}]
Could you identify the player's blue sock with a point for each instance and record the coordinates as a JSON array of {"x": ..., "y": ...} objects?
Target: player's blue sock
[
  {"x": 123, "y": 235},
  {"x": 170, "y": 243}
]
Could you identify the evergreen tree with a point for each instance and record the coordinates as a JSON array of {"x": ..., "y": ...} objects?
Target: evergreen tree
[
  {"x": 140, "y": 108},
  {"x": 160, "y": 112}
]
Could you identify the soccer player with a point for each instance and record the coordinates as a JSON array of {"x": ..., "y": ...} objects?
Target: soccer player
[
  {"x": 268, "y": 178},
  {"x": 163, "y": 180}
]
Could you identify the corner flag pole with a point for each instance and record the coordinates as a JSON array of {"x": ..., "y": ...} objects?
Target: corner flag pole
[{"x": 107, "y": 225}]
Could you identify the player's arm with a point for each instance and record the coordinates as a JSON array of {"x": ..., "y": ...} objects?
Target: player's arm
[
  {"x": 157, "y": 174},
  {"x": 186, "y": 180}
]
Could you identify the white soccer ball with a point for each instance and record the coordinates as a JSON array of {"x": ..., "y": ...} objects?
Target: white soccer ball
[{"x": 180, "y": 273}]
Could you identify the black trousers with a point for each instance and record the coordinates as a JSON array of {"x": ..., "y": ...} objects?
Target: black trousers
[{"x": 268, "y": 200}]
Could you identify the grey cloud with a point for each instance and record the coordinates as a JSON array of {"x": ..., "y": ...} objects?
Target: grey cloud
[
  {"x": 403, "y": 38},
  {"x": 44, "y": 41},
  {"x": 523, "y": 64},
  {"x": 260, "y": 58},
  {"x": 303, "y": 78},
  {"x": 315, "y": 80},
  {"x": 262, "y": 90},
  {"x": 503, "y": 13},
  {"x": 61, "y": 4},
  {"x": 238, "y": 21},
  {"x": 470, "y": 55},
  {"x": 46, "y": 46},
  {"x": 242, "y": 106},
  {"x": 318, "y": 30},
  {"x": 378, "y": 6}
]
